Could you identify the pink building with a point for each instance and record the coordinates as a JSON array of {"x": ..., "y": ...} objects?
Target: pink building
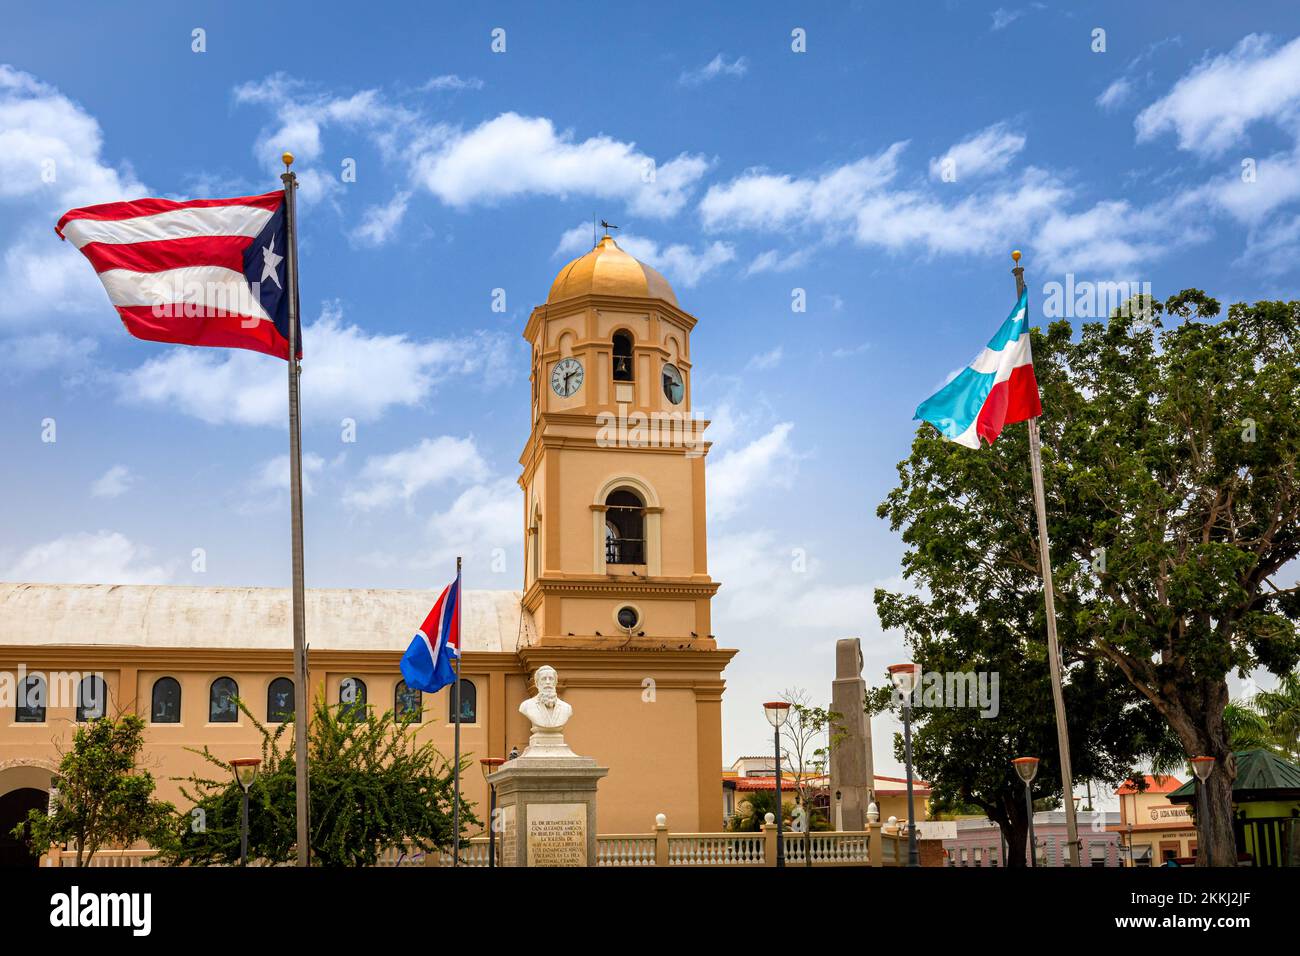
[{"x": 979, "y": 842}]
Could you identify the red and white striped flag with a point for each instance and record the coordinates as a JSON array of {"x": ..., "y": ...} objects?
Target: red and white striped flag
[{"x": 203, "y": 272}]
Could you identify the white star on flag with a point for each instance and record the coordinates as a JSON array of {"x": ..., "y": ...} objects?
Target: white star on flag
[{"x": 270, "y": 261}]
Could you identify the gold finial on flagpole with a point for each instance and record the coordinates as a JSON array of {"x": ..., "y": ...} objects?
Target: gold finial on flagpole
[
  {"x": 1015, "y": 255},
  {"x": 287, "y": 158}
]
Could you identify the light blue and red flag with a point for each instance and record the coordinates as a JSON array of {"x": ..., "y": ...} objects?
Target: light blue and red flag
[
  {"x": 429, "y": 663},
  {"x": 997, "y": 389},
  {"x": 199, "y": 272}
]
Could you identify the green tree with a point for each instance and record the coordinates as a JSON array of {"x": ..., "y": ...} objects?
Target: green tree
[
  {"x": 103, "y": 797},
  {"x": 1169, "y": 452},
  {"x": 966, "y": 757},
  {"x": 1268, "y": 719},
  {"x": 809, "y": 741},
  {"x": 374, "y": 786},
  {"x": 761, "y": 803}
]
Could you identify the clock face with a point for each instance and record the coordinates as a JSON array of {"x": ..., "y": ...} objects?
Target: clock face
[
  {"x": 673, "y": 385},
  {"x": 566, "y": 377}
]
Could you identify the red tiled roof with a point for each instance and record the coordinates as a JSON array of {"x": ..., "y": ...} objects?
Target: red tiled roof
[
  {"x": 916, "y": 781},
  {"x": 1158, "y": 784}
]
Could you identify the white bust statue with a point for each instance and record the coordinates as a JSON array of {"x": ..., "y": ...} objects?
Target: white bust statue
[{"x": 548, "y": 715}]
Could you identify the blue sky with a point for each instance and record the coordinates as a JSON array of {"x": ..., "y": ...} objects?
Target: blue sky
[{"x": 775, "y": 171}]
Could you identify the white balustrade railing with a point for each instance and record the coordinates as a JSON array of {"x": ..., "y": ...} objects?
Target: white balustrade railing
[
  {"x": 659, "y": 848},
  {"x": 625, "y": 849},
  {"x": 715, "y": 849}
]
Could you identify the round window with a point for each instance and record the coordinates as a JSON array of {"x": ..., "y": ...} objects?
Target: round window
[{"x": 628, "y": 617}]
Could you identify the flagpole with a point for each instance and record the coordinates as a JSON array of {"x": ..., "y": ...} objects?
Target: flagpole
[
  {"x": 455, "y": 806},
  {"x": 1049, "y": 598},
  {"x": 295, "y": 493}
]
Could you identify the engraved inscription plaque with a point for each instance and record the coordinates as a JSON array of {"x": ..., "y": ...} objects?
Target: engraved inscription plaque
[{"x": 557, "y": 834}]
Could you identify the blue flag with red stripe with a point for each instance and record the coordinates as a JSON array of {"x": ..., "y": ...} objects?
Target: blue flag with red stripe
[{"x": 429, "y": 663}]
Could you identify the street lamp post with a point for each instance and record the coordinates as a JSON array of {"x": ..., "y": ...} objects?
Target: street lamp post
[
  {"x": 776, "y": 712},
  {"x": 1027, "y": 768},
  {"x": 245, "y": 773},
  {"x": 490, "y": 765},
  {"x": 1202, "y": 767},
  {"x": 904, "y": 678}
]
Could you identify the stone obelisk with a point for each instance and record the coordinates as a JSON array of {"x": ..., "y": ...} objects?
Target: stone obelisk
[{"x": 852, "y": 769}]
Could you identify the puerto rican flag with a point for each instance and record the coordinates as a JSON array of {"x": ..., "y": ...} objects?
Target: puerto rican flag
[
  {"x": 201, "y": 272},
  {"x": 995, "y": 390},
  {"x": 428, "y": 664}
]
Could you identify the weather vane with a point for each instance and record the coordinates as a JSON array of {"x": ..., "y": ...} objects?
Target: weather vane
[{"x": 607, "y": 226}]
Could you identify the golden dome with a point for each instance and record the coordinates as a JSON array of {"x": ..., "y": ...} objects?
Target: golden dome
[{"x": 608, "y": 270}]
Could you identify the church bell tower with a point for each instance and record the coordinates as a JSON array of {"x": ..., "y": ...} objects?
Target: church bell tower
[{"x": 613, "y": 472}]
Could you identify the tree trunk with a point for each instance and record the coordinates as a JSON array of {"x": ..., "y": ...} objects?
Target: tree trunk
[
  {"x": 1216, "y": 844},
  {"x": 1011, "y": 820},
  {"x": 1198, "y": 722}
]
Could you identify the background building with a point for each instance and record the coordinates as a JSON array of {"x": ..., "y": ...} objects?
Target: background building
[
  {"x": 1153, "y": 830},
  {"x": 979, "y": 841}
]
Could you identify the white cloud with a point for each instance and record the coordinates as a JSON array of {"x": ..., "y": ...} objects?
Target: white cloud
[
  {"x": 1274, "y": 250},
  {"x": 736, "y": 475},
  {"x": 104, "y": 557},
  {"x": 388, "y": 479},
  {"x": 766, "y": 201},
  {"x": 988, "y": 151},
  {"x": 274, "y": 473},
  {"x": 112, "y": 483},
  {"x": 485, "y": 520},
  {"x": 716, "y": 67},
  {"x": 1211, "y": 107},
  {"x": 50, "y": 161},
  {"x": 682, "y": 264},
  {"x": 46, "y": 350},
  {"x": 850, "y": 351},
  {"x": 1003, "y": 18},
  {"x": 1116, "y": 95},
  {"x": 981, "y": 222},
  {"x": 512, "y": 155},
  {"x": 1276, "y": 183},
  {"x": 380, "y": 223},
  {"x": 302, "y": 113},
  {"x": 451, "y": 81},
  {"x": 766, "y": 360},
  {"x": 781, "y": 585},
  {"x": 770, "y": 260},
  {"x": 854, "y": 200},
  {"x": 347, "y": 373}
]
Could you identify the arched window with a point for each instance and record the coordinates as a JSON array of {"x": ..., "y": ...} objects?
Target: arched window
[
  {"x": 221, "y": 701},
  {"x": 624, "y": 528},
  {"x": 408, "y": 703},
  {"x": 165, "y": 707},
  {"x": 92, "y": 698},
  {"x": 30, "y": 708},
  {"x": 279, "y": 700},
  {"x": 622, "y": 357},
  {"x": 468, "y": 703},
  {"x": 352, "y": 698}
]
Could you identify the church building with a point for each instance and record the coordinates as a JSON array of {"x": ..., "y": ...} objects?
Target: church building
[{"x": 615, "y": 594}]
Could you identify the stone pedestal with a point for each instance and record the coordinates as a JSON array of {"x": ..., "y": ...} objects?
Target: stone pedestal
[{"x": 547, "y": 810}]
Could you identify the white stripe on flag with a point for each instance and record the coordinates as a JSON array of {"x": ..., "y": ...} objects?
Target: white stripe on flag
[
  {"x": 211, "y": 287},
  {"x": 1015, "y": 353},
  {"x": 175, "y": 224}
]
